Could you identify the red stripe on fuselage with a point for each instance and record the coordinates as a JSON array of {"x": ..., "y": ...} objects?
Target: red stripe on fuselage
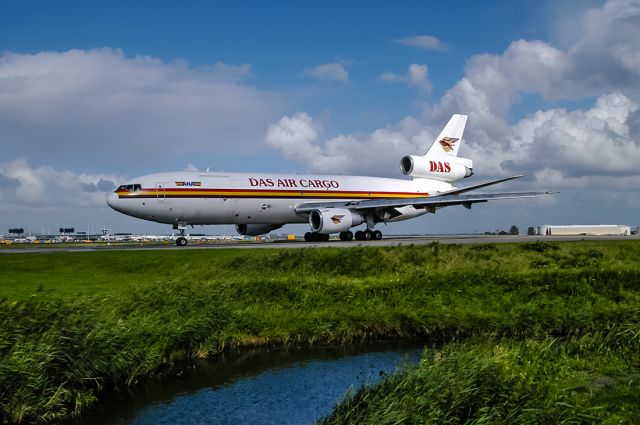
[{"x": 260, "y": 193}]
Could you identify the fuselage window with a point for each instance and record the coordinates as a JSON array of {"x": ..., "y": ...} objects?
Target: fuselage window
[{"x": 137, "y": 187}]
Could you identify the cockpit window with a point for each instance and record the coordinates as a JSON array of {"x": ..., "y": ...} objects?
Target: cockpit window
[{"x": 129, "y": 188}]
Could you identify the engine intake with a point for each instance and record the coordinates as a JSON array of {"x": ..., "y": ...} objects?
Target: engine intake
[{"x": 333, "y": 220}]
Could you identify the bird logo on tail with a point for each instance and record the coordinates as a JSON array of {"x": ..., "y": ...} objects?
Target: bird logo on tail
[{"x": 447, "y": 143}]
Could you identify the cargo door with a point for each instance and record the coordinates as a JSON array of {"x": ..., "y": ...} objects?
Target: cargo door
[{"x": 161, "y": 191}]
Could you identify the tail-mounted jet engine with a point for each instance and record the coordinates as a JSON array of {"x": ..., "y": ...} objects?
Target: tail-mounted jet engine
[
  {"x": 445, "y": 169},
  {"x": 256, "y": 229},
  {"x": 333, "y": 220}
]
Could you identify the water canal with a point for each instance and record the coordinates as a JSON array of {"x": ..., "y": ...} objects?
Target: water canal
[{"x": 260, "y": 386}]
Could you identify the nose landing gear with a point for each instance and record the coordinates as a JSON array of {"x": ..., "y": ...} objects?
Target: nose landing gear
[{"x": 181, "y": 240}]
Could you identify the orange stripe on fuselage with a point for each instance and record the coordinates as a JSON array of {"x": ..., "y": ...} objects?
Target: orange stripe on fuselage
[{"x": 253, "y": 193}]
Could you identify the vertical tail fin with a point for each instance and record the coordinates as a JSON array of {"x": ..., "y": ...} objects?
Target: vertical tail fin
[{"x": 450, "y": 139}]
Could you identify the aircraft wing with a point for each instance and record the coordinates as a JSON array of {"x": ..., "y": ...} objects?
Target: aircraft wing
[{"x": 443, "y": 199}]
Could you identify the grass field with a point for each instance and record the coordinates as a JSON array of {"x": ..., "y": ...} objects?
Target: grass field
[{"x": 76, "y": 325}]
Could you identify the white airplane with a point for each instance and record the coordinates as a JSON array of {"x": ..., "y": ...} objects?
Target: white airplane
[{"x": 258, "y": 203}]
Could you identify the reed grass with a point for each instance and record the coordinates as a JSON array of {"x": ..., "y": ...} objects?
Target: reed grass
[
  {"x": 592, "y": 378},
  {"x": 75, "y": 326}
]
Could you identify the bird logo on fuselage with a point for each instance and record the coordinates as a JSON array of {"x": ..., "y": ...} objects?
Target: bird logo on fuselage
[{"x": 448, "y": 143}]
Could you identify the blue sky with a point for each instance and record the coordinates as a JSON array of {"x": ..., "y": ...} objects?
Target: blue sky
[
  {"x": 281, "y": 39},
  {"x": 101, "y": 91}
]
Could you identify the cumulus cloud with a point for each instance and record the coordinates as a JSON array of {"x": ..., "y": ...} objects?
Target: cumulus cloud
[
  {"x": 599, "y": 63},
  {"x": 47, "y": 187},
  {"x": 329, "y": 72},
  {"x": 107, "y": 108},
  {"x": 425, "y": 42},
  {"x": 49, "y": 197},
  {"x": 294, "y": 136},
  {"x": 297, "y": 137},
  {"x": 417, "y": 76},
  {"x": 102, "y": 185},
  {"x": 556, "y": 146},
  {"x": 601, "y": 60},
  {"x": 573, "y": 144}
]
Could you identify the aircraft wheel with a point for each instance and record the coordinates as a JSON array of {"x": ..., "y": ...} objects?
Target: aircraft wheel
[
  {"x": 324, "y": 237},
  {"x": 377, "y": 235},
  {"x": 181, "y": 241},
  {"x": 346, "y": 236},
  {"x": 368, "y": 235},
  {"x": 359, "y": 235},
  {"x": 315, "y": 237}
]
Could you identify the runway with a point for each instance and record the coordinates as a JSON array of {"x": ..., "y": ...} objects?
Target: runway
[{"x": 386, "y": 241}]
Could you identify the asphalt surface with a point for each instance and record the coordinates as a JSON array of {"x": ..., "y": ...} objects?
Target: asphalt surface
[{"x": 386, "y": 241}]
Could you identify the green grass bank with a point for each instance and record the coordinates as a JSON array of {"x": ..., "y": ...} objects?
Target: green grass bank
[
  {"x": 76, "y": 325},
  {"x": 591, "y": 378}
]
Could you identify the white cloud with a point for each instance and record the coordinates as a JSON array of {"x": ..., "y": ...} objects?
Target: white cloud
[
  {"x": 417, "y": 76},
  {"x": 329, "y": 72},
  {"x": 601, "y": 63},
  {"x": 425, "y": 42},
  {"x": 560, "y": 147},
  {"x": 575, "y": 144},
  {"x": 294, "y": 136},
  {"x": 603, "y": 58},
  {"x": 45, "y": 186},
  {"x": 378, "y": 153},
  {"x": 45, "y": 198},
  {"x": 107, "y": 108}
]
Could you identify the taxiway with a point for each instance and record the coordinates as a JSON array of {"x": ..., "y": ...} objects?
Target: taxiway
[{"x": 387, "y": 241}]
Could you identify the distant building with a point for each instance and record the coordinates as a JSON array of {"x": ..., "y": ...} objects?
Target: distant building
[{"x": 585, "y": 229}]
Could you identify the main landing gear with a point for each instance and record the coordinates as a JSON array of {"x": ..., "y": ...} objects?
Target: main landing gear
[
  {"x": 346, "y": 236},
  {"x": 316, "y": 237},
  {"x": 367, "y": 235}
]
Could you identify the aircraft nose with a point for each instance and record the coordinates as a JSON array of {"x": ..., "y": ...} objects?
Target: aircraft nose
[{"x": 112, "y": 200}]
